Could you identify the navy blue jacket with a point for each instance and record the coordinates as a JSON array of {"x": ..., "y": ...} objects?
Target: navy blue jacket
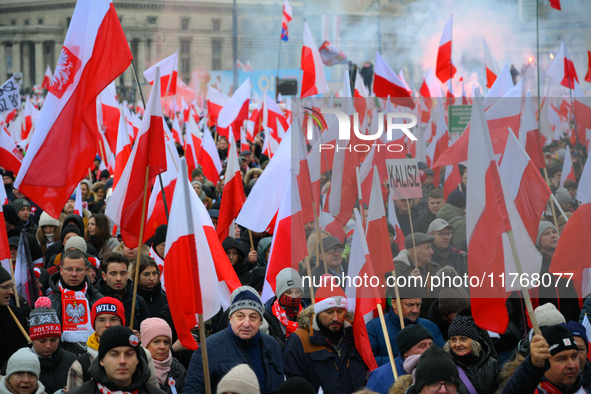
[
  {"x": 378, "y": 342},
  {"x": 310, "y": 355},
  {"x": 225, "y": 353},
  {"x": 381, "y": 379}
]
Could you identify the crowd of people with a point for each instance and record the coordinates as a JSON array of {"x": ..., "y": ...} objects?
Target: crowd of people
[{"x": 291, "y": 343}]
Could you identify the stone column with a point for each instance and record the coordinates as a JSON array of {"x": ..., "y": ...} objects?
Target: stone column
[
  {"x": 152, "y": 59},
  {"x": 16, "y": 57},
  {"x": 140, "y": 63},
  {"x": 128, "y": 74},
  {"x": 26, "y": 66},
  {"x": 39, "y": 63},
  {"x": 57, "y": 49},
  {"x": 2, "y": 62}
]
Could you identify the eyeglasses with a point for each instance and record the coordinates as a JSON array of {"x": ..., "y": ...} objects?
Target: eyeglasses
[
  {"x": 7, "y": 287},
  {"x": 101, "y": 321},
  {"x": 435, "y": 387},
  {"x": 78, "y": 270},
  {"x": 444, "y": 235},
  {"x": 338, "y": 249}
]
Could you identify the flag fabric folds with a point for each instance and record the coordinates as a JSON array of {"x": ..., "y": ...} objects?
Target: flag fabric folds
[{"x": 313, "y": 80}]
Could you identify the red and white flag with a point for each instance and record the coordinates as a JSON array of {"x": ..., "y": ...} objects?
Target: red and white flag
[
  {"x": 393, "y": 220},
  {"x": 235, "y": 111},
  {"x": 233, "y": 197},
  {"x": 78, "y": 209},
  {"x": 270, "y": 145},
  {"x": 502, "y": 85},
  {"x": 555, "y": 4},
  {"x": 10, "y": 156},
  {"x": 215, "y": 102},
  {"x": 199, "y": 277},
  {"x": 47, "y": 78},
  {"x": 582, "y": 112},
  {"x": 287, "y": 15},
  {"x": 210, "y": 158},
  {"x": 147, "y": 159},
  {"x": 4, "y": 247},
  {"x": 193, "y": 143},
  {"x": 243, "y": 140},
  {"x": 313, "y": 80},
  {"x": 431, "y": 86},
  {"x": 95, "y": 52},
  {"x": 301, "y": 172},
  {"x": 445, "y": 69},
  {"x": 490, "y": 214},
  {"x": 440, "y": 141},
  {"x": 452, "y": 179},
  {"x": 169, "y": 68},
  {"x": 588, "y": 75},
  {"x": 271, "y": 115},
  {"x": 387, "y": 83},
  {"x": 491, "y": 66},
  {"x": 529, "y": 135},
  {"x": 123, "y": 149},
  {"x": 177, "y": 131},
  {"x": 562, "y": 69},
  {"x": 567, "y": 168},
  {"x": 109, "y": 114},
  {"x": 31, "y": 117}
]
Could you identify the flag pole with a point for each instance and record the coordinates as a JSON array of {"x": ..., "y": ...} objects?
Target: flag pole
[
  {"x": 412, "y": 231},
  {"x": 559, "y": 208},
  {"x": 524, "y": 292},
  {"x": 551, "y": 205},
  {"x": 317, "y": 223},
  {"x": 307, "y": 262},
  {"x": 139, "y": 254},
  {"x": 16, "y": 299},
  {"x": 205, "y": 360},
  {"x": 387, "y": 338},
  {"x": 137, "y": 81},
  {"x": 18, "y": 323},
  {"x": 398, "y": 303},
  {"x": 360, "y": 196}
]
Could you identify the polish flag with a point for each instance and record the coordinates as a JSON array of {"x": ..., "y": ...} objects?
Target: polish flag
[
  {"x": 375, "y": 158},
  {"x": 177, "y": 131},
  {"x": 452, "y": 179},
  {"x": 464, "y": 95},
  {"x": 393, "y": 220},
  {"x": 235, "y": 111},
  {"x": 193, "y": 143},
  {"x": 362, "y": 299},
  {"x": 329, "y": 223},
  {"x": 440, "y": 141},
  {"x": 78, "y": 203},
  {"x": 147, "y": 160},
  {"x": 343, "y": 186},
  {"x": 287, "y": 14},
  {"x": 210, "y": 158},
  {"x": 562, "y": 69},
  {"x": 123, "y": 149},
  {"x": 491, "y": 66},
  {"x": 110, "y": 114},
  {"x": 387, "y": 83},
  {"x": 243, "y": 140},
  {"x": 289, "y": 238},
  {"x": 185, "y": 109},
  {"x": 271, "y": 115},
  {"x": 169, "y": 68},
  {"x": 4, "y": 247},
  {"x": 525, "y": 185},
  {"x": 260, "y": 208},
  {"x": 583, "y": 111},
  {"x": 31, "y": 115},
  {"x": 588, "y": 76},
  {"x": 106, "y": 155},
  {"x": 95, "y": 52},
  {"x": 301, "y": 172},
  {"x": 233, "y": 197},
  {"x": 502, "y": 85},
  {"x": 270, "y": 145},
  {"x": 313, "y": 80},
  {"x": 490, "y": 214},
  {"x": 529, "y": 135},
  {"x": 47, "y": 78},
  {"x": 254, "y": 125},
  {"x": 567, "y": 168},
  {"x": 10, "y": 156},
  {"x": 555, "y": 4},
  {"x": 360, "y": 90},
  {"x": 199, "y": 277},
  {"x": 431, "y": 86},
  {"x": 445, "y": 68},
  {"x": 215, "y": 102},
  {"x": 133, "y": 122}
]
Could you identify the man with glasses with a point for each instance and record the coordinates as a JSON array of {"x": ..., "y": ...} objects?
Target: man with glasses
[
  {"x": 333, "y": 256},
  {"x": 443, "y": 253},
  {"x": 72, "y": 298},
  {"x": 241, "y": 343},
  {"x": 11, "y": 338},
  {"x": 107, "y": 312},
  {"x": 435, "y": 373}
]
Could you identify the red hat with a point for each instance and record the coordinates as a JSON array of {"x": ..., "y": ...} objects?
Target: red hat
[
  {"x": 327, "y": 297},
  {"x": 107, "y": 305}
]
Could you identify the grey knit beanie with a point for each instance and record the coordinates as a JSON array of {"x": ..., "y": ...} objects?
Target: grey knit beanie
[
  {"x": 548, "y": 315},
  {"x": 23, "y": 360},
  {"x": 286, "y": 279},
  {"x": 76, "y": 243},
  {"x": 562, "y": 196},
  {"x": 239, "y": 380},
  {"x": 544, "y": 225},
  {"x": 46, "y": 220}
]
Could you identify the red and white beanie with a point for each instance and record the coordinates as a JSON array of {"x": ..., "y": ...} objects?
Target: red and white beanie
[
  {"x": 327, "y": 297},
  {"x": 43, "y": 321}
]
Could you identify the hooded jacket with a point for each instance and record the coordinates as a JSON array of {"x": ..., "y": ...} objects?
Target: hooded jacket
[
  {"x": 456, "y": 217},
  {"x": 4, "y": 389},
  {"x": 242, "y": 268},
  {"x": 56, "y": 295},
  {"x": 155, "y": 299},
  {"x": 139, "y": 380},
  {"x": 141, "y": 308},
  {"x": 309, "y": 354},
  {"x": 482, "y": 371}
]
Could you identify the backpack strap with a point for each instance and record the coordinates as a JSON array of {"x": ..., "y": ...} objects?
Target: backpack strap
[{"x": 454, "y": 219}]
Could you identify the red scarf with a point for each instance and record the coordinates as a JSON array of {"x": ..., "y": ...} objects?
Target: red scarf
[
  {"x": 290, "y": 326},
  {"x": 546, "y": 387},
  {"x": 105, "y": 390},
  {"x": 76, "y": 324}
]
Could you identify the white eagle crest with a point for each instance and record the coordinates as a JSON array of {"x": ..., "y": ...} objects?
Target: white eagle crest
[
  {"x": 62, "y": 71},
  {"x": 75, "y": 313}
]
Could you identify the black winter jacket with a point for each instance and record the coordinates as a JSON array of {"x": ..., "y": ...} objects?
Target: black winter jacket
[
  {"x": 483, "y": 371},
  {"x": 141, "y": 308},
  {"x": 11, "y": 338},
  {"x": 178, "y": 373},
  {"x": 155, "y": 299}
]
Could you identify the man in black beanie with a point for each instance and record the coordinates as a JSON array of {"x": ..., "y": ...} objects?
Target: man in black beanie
[
  {"x": 414, "y": 339},
  {"x": 551, "y": 367},
  {"x": 435, "y": 373},
  {"x": 118, "y": 367},
  {"x": 159, "y": 243},
  {"x": 11, "y": 338},
  {"x": 454, "y": 212}
]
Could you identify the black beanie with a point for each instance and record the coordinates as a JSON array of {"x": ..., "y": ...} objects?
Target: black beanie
[
  {"x": 463, "y": 325},
  {"x": 457, "y": 198},
  {"x": 435, "y": 365},
  {"x": 10, "y": 215},
  {"x": 296, "y": 385},
  {"x": 410, "y": 336},
  {"x": 104, "y": 174},
  {"x": 4, "y": 275},
  {"x": 70, "y": 228},
  {"x": 559, "y": 338},
  {"x": 118, "y": 336},
  {"x": 160, "y": 235}
]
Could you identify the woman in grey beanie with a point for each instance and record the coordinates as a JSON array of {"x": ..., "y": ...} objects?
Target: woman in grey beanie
[{"x": 22, "y": 374}]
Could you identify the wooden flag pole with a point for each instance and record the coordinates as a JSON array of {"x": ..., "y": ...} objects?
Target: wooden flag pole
[
  {"x": 524, "y": 292},
  {"x": 412, "y": 232},
  {"x": 360, "y": 196},
  {"x": 551, "y": 204},
  {"x": 139, "y": 253},
  {"x": 317, "y": 223},
  {"x": 251, "y": 243},
  {"x": 16, "y": 299},
  {"x": 398, "y": 303},
  {"x": 553, "y": 197},
  {"x": 387, "y": 338},
  {"x": 205, "y": 360},
  {"x": 18, "y": 323},
  {"x": 309, "y": 272}
]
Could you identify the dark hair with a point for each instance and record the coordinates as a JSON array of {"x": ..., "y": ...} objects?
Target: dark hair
[
  {"x": 436, "y": 193},
  {"x": 113, "y": 258},
  {"x": 145, "y": 262},
  {"x": 73, "y": 254},
  {"x": 102, "y": 231}
]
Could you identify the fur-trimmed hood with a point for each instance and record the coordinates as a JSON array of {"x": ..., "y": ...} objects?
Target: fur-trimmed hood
[
  {"x": 308, "y": 313},
  {"x": 401, "y": 385}
]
